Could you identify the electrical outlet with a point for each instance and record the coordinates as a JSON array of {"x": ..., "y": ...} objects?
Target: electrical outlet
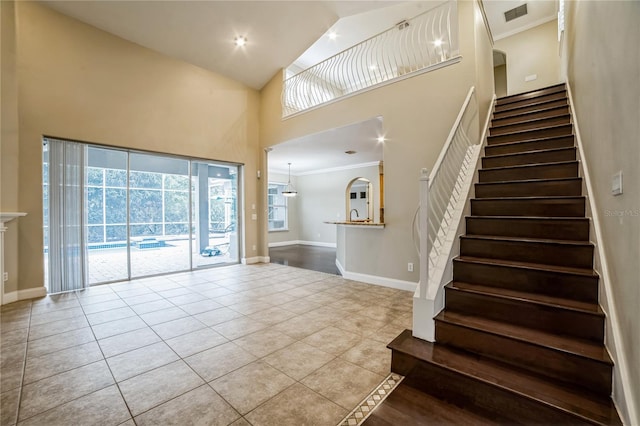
[
  {"x": 410, "y": 267},
  {"x": 254, "y": 247},
  {"x": 5, "y": 276}
]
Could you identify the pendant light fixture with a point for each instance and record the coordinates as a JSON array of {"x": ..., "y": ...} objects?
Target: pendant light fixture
[{"x": 289, "y": 191}]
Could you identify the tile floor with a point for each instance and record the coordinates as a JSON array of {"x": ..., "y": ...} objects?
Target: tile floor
[{"x": 244, "y": 345}]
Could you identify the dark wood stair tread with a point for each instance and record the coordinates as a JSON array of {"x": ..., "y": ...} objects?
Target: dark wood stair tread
[
  {"x": 531, "y": 94},
  {"x": 528, "y": 240},
  {"x": 586, "y": 272},
  {"x": 529, "y": 140},
  {"x": 531, "y": 198},
  {"x": 541, "y": 105},
  {"x": 517, "y": 132},
  {"x": 541, "y": 299},
  {"x": 525, "y": 166},
  {"x": 409, "y": 406},
  {"x": 524, "y": 153},
  {"x": 502, "y": 182},
  {"x": 579, "y": 347},
  {"x": 574, "y": 401},
  {"x": 530, "y": 121},
  {"x": 531, "y": 112},
  {"x": 564, "y": 141}
]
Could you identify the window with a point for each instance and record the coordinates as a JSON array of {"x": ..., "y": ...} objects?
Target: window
[{"x": 277, "y": 215}]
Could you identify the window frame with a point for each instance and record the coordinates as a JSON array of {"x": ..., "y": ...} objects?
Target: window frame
[{"x": 279, "y": 187}]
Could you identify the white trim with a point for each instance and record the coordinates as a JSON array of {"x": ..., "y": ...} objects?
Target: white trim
[
  {"x": 526, "y": 27},
  {"x": 30, "y": 293},
  {"x": 486, "y": 22},
  {"x": 283, "y": 244},
  {"x": 613, "y": 341},
  {"x": 329, "y": 170},
  {"x": 376, "y": 280},
  {"x": 303, "y": 243},
  {"x": 254, "y": 260},
  {"x": 341, "y": 168}
]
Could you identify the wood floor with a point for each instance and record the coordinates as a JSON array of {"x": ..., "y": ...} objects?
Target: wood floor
[{"x": 321, "y": 259}]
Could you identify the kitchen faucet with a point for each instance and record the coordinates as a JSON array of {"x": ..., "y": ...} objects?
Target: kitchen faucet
[{"x": 351, "y": 214}]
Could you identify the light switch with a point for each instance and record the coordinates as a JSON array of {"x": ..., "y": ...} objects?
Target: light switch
[
  {"x": 531, "y": 77},
  {"x": 616, "y": 183},
  {"x": 254, "y": 216}
]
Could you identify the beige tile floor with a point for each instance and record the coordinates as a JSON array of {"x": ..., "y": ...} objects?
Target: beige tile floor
[{"x": 260, "y": 345}]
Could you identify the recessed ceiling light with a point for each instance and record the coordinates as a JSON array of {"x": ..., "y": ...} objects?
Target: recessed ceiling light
[
  {"x": 332, "y": 35},
  {"x": 350, "y": 152},
  {"x": 381, "y": 139},
  {"x": 373, "y": 67},
  {"x": 438, "y": 43},
  {"x": 240, "y": 41}
]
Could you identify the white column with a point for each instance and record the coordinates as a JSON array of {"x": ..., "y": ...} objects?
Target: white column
[
  {"x": 423, "y": 307},
  {"x": 423, "y": 219}
]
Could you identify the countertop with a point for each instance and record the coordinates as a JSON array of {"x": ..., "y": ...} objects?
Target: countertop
[{"x": 361, "y": 224}]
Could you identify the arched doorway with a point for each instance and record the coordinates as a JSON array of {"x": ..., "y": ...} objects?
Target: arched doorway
[{"x": 500, "y": 73}]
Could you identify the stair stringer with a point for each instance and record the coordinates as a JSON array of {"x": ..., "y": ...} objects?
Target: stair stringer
[
  {"x": 623, "y": 393},
  {"x": 426, "y": 309}
]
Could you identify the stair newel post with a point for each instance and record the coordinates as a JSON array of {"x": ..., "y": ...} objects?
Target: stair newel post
[{"x": 424, "y": 232}]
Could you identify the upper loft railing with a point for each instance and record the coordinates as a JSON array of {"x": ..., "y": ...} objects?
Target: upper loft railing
[{"x": 412, "y": 46}]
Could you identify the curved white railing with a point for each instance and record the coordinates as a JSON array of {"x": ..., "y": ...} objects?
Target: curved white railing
[
  {"x": 443, "y": 196},
  {"x": 413, "y": 45}
]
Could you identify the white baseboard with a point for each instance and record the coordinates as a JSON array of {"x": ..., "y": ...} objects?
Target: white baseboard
[
  {"x": 255, "y": 259},
  {"x": 303, "y": 243},
  {"x": 30, "y": 293},
  {"x": 377, "y": 280},
  {"x": 283, "y": 244}
]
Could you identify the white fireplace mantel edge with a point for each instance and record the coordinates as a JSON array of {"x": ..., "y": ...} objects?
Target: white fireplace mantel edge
[
  {"x": 4, "y": 218},
  {"x": 9, "y": 216}
]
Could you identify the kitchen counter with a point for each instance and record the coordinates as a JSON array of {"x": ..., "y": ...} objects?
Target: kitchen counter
[{"x": 358, "y": 224}]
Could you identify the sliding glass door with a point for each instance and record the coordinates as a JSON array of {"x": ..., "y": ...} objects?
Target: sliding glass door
[
  {"x": 106, "y": 204},
  {"x": 148, "y": 214},
  {"x": 158, "y": 214},
  {"x": 215, "y": 213}
]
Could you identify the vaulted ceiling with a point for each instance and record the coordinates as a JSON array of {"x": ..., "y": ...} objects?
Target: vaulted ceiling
[
  {"x": 203, "y": 32},
  {"x": 278, "y": 34}
]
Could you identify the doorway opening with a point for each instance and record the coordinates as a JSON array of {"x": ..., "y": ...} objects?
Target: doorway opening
[{"x": 500, "y": 73}]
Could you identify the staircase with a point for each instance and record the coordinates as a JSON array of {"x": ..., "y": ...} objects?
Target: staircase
[{"x": 521, "y": 337}]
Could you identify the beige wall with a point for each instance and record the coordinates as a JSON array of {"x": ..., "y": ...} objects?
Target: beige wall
[
  {"x": 603, "y": 64},
  {"x": 484, "y": 64},
  {"x": 321, "y": 198},
  {"x": 534, "y": 51},
  {"x": 500, "y": 80},
  {"x": 81, "y": 83},
  {"x": 417, "y": 116},
  {"x": 9, "y": 140}
]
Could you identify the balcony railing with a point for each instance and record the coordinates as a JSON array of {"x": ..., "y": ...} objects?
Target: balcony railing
[{"x": 412, "y": 46}]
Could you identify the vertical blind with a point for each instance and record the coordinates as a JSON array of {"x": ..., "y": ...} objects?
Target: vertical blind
[{"x": 67, "y": 236}]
